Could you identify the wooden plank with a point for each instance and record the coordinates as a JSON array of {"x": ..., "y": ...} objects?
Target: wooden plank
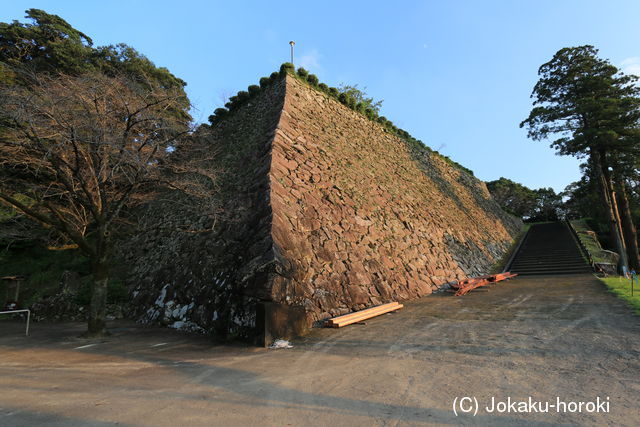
[
  {"x": 362, "y": 314},
  {"x": 358, "y": 316},
  {"x": 366, "y": 316}
]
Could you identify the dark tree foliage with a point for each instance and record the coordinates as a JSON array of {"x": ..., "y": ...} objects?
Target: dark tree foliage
[
  {"x": 50, "y": 44},
  {"x": 581, "y": 200},
  {"x": 253, "y": 90},
  {"x": 264, "y": 81},
  {"x": 242, "y": 96},
  {"x": 593, "y": 111},
  {"x": 303, "y": 73},
  {"x": 548, "y": 206},
  {"x": 542, "y": 204},
  {"x": 513, "y": 197},
  {"x": 586, "y": 102},
  {"x": 313, "y": 79},
  {"x": 233, "y": 103},
  {"x": 285, "y": 68}
]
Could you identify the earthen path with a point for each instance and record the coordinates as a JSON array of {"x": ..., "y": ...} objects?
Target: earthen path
[{"x": 542, "y": 337}]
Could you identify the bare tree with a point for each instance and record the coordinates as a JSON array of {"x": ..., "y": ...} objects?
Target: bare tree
[
  {"x": 224, "y": 95},
  {"x": 85, "y": 148}
]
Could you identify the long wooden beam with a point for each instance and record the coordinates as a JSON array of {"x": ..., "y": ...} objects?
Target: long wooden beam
[
  {"x": 361, "y": 312},
  {"x": 358, "y": 316}
]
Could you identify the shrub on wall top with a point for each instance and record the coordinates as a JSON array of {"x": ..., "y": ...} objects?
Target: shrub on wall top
[
  {"x": 303, "y": 73},
  {"x": 254, "y": 90},
  {"x": 313, "y": 79},
  {"x": 344, "y": 98},
  {"x": 351, "y": 102},
  {"x": 287, "y": 66},
  {"x": 232, "y": 104},
  {"x": 242, "y": 96},
  {"x": 217, "y": 115},
  {"x": 370, "y": 113}
]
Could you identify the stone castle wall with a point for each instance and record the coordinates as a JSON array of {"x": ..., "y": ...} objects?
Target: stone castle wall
[
  {"x": 321, "y": 212},
  {"x": 197, "y": 267},
  {"x": 360, "y": 219}
]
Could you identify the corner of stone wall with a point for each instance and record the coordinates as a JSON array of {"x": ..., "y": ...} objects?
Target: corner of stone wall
[
  {"x": 212, "y": 277},
  {"x": 357, "y": 222}
]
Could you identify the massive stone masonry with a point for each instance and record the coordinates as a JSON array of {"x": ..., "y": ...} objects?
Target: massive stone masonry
[
  {"x": 322, "y": 212},
  {"x": 205, "y": 269}
]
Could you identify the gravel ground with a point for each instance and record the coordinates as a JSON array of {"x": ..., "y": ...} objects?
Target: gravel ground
[{"x": 547, "y": 338}]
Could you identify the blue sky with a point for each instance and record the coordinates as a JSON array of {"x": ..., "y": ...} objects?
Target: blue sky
[{"x": 455, "y": 74}]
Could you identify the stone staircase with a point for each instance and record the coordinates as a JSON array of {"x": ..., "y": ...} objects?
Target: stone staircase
[{"x": 549, "y": 249}]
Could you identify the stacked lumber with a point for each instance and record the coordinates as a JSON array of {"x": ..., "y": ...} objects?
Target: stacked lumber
[{"x": 359, "y": 316}]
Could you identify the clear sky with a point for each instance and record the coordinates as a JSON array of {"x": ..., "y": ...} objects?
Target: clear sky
[{"x": 455, "y": 74}]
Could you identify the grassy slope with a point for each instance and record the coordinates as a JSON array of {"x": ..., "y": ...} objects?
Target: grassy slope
[
  {"x": 621, "y": 286},
  {"x": 589, "y": 241}
]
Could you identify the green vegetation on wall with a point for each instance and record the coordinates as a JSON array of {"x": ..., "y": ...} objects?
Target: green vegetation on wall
[
  {"x": 349, "y": 97},
  {"x": 589, "y": 240}
]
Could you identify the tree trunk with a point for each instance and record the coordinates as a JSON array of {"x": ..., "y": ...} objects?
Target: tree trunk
[
  {"x": 628, "y": 227},
  {"x": 613, "y": 198},
  {"x": 614, "y": 229},
  {"x": 98, "y": 309}
]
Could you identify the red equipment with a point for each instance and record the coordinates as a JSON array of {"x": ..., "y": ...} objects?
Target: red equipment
[{"x": 466, "y": 285}]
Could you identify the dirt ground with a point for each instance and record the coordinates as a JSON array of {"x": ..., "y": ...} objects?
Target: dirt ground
[{"x": 544, "y": 338}]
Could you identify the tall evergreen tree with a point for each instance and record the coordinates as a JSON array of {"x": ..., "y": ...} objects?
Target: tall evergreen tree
[{"x": 594, "y": 111}]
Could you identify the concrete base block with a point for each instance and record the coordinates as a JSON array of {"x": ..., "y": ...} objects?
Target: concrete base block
[{"x": 279, "y": 321}]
